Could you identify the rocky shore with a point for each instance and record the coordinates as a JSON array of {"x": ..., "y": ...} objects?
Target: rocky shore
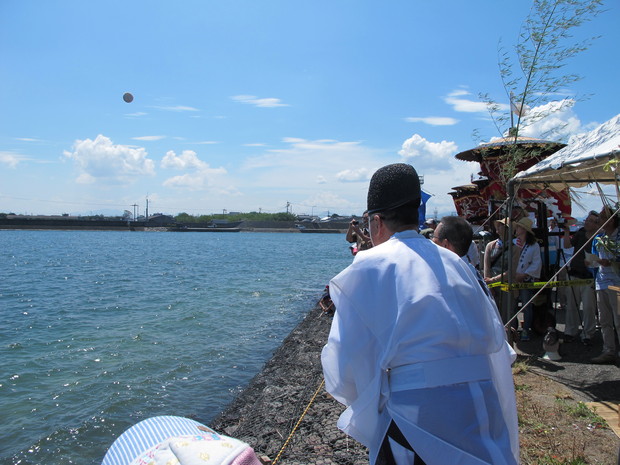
[{"x": 267, "y": 411}]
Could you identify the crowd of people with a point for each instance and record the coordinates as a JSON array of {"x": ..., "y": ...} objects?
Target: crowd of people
[
  {"x": 587, "y": 304},
  {"x": 408, "y": 319}
]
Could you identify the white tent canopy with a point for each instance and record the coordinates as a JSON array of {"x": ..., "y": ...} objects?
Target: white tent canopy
[{"x": 581, "y": 162}]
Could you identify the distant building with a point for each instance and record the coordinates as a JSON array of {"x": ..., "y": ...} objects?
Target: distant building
[
  {"x": 307, "y": 217},
  {"x": 160, "y": 219}
]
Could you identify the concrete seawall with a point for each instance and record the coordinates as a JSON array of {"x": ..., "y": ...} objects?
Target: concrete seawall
[{"x": 265, "y": 413}]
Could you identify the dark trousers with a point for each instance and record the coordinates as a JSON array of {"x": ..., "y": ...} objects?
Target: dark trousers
[{"x": 385, "y": 456}]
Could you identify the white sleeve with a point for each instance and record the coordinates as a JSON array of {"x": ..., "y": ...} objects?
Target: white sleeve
[{"x": 350, "y": 356}]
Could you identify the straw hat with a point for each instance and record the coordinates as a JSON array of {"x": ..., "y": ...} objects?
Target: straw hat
[
  {"x": 503, "y": 222},
  {"x": 526, "y": 224}
]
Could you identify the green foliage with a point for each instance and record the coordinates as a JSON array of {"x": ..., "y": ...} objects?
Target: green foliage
[
  {"x": 187, "y": 218},
  {"x": 532, "y": 74},
  {"x": 523, "y": 387},
  {"x": 252, "y": 216},
  {"x": 283, "y": 217},
  {"x": 581, "y": 410}
]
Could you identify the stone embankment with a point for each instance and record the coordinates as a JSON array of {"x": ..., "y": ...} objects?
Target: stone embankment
[{"x": 267, "y": 411}]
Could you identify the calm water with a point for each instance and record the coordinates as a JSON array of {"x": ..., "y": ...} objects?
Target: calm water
[{"x": 99, "y": 330}]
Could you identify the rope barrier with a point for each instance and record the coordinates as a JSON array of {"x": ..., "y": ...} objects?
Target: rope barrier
[
  {"x": 290, "y": 436},
  {"x": 544, "y": 286},
  {"x": 537, "y": 285}
]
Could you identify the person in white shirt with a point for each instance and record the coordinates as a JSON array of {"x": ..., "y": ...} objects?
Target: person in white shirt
[
  {"x": 417, "y": 351},
  {"x": 528, "y": 271},
  {"x": 607, "y": 247}
]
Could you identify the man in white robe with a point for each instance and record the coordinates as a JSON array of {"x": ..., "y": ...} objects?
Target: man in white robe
[{"x": 416, "y": 347}]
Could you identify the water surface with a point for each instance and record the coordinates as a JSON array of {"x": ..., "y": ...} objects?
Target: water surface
[{"x": 100, "y": 329}]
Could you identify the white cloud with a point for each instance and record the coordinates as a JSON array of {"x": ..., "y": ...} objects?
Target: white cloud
[
  {"x": 11, "y": 159},
  {"x": 255, "y": 144},
  {"x": 136, "y": 114},
  {"x": 259, "y": 102},
  {"x": 330, "y": 201},
  {"x": 100, "y": 159},
  {"x": 190, "y": 181},
  {"x": 466, "y": 105},
  {"x": 201, "y": 177},
  {"x": 433, "y": 120},
  {"x": 207, "y": 142},
  {"x": 354, "y": 175},
  {"x": 27, "y": 139},
  {"x": 149, "y": 138},
  {"x": 441, "y": 171},
  {"x": 554, "y": 120},
  {"x": 177, "y": 108},
  {"x": 187, "y": 160},
  {"x": 317, "y": 155},
  {"x": 429, "y": 156},
  {"x": 297, "y": 169}
]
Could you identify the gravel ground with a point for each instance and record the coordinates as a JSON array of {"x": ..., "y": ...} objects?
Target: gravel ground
[{"x": 590, "y": 382}]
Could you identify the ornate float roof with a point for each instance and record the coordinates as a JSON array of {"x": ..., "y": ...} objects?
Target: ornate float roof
[{"x": 497, "y": 146}]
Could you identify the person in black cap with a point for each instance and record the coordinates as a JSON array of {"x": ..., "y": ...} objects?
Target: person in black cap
[
  {"x": 417, "y": 351},
  {"x": 429, "y": 228}
]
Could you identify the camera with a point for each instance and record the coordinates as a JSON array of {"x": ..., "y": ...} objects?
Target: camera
[{"x": 355, "y": 222}]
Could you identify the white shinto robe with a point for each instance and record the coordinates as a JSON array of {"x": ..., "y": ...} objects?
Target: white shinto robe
[{"x": 415, "y": 340}]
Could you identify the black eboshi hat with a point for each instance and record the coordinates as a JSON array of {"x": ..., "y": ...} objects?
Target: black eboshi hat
[{"x": 393, "y": 186}]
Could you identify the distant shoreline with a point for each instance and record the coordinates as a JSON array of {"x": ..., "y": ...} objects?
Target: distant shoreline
[
  {"x": 105, "y": 225},
  {"x": 167, "y": 223}
]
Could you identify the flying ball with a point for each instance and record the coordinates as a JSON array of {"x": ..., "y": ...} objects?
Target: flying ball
[{"x": 127, "y": 97}]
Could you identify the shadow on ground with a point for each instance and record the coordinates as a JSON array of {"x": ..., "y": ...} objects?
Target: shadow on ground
[{"x": 575, "y": 370}]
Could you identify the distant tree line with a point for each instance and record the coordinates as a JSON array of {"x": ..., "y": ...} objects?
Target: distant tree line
[{"x": 252, "y": 216}]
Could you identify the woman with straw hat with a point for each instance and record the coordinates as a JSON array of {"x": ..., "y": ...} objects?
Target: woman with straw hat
[{"x": 528, "y": 270}]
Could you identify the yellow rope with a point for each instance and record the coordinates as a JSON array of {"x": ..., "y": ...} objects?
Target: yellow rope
[
  {"x": 290, "y": 436},
  {"x": 537, "y": 285}
]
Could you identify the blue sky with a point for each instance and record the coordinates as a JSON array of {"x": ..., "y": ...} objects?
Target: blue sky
[{"x": 247, "y": 105}]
